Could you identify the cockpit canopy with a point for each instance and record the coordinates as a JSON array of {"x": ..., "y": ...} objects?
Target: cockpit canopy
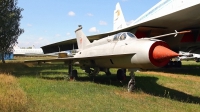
[{"x": 123, "y": 36}]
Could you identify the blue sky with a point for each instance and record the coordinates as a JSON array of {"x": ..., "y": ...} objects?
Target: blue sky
[{"x": 50, "y": 21}]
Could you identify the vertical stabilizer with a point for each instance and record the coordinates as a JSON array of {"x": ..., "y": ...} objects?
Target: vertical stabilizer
[
  {"x": 119, "y": 21},
  {"x": 82, "y": 40}
]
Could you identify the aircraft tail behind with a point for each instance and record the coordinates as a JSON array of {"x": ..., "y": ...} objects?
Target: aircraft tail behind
[
  {"x": 119, "y": 21},
  {"x": 82, "y": 40}
]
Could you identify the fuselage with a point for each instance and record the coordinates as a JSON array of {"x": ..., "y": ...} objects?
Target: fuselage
[
  {"x": 165, "y": 17},
  {"x": 113, "y": 47},
  {"x": 19, "y": 51}
]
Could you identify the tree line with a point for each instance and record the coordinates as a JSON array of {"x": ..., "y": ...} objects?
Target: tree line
[{"x": 10, "y": 16}]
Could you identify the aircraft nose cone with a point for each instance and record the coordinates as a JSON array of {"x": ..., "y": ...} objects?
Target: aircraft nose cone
[{"x": 161, "y": 53}]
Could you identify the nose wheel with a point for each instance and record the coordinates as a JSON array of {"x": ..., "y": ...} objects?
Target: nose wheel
[{"x": 131, "y": 83}]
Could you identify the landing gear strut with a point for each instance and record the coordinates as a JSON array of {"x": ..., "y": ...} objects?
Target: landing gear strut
[
  {"x": 121, "y": 75},
  {"x": 92, "y": 72},
  {"x": 131, "y": 83},
  {"x": 107, "y": 71},
  {"x": 73, "y": 74},
  {"x": 176, "y": 64}
]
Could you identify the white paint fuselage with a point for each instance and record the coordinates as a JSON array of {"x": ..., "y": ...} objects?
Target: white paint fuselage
[{"x": 137, "y": 48}]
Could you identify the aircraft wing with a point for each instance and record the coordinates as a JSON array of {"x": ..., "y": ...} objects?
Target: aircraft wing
[
  {"x": 53, "y": 55},
  {"x": 184, "y": 19},
  {"x": 76, "y": 59}
]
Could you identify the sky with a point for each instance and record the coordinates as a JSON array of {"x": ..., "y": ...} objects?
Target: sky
[{"x": 50, "y": 21}]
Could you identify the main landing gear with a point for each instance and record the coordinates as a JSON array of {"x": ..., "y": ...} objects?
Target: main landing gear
[
  {"x": 73, "y": 74},
  {"x": 175, "y": 64},
  {"x": 121, "y": 76},
  {"x": 107, "y": 71}
]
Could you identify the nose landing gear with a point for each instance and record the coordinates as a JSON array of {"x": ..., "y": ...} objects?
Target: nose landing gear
[{"x": 131, "y": 83}]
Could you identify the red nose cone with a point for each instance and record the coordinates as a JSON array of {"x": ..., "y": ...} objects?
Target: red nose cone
[{"x": 161, "y": 53}]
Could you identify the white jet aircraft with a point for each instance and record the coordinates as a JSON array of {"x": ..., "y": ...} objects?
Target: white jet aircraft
[
  {"x": 189, "y": 56},
  {"x": 39, "y": 52},
  {"x": 164, "y": 17},
  {"x": 123, "y": 51},
  {"x": 27, "y": 51}
]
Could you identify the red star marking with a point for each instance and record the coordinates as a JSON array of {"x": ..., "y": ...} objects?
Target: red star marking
[{"x": 81, "y": 40}]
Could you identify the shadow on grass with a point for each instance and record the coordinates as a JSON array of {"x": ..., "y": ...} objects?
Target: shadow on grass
[
  {"x": 149, "y": 85},
  {"x": 184, "y": 70},
  {"x": 21, "y": 69},
  {"x": 103, "y": 79},
  {"x": 146, "y": 84}
]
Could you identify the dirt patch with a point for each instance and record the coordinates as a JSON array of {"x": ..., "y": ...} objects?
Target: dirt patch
[{"x": 128, "y": 95}]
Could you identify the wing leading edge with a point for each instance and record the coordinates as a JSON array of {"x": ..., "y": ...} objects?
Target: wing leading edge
[{"x": 75, "y": 59}]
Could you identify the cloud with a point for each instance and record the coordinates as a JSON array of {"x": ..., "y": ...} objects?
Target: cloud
[
  {"x": 29, "y": 24},
  {"x": 33, "y": 40},
  {"x": 68, "y": 34},
  {"x": 57, "y": 35},
  {"x": 71, "y": 13},
  {"x": 40, "y": 38},
  {"x": 89, "y": 14},
  {"x": 124, "y": 0},
  {"x": 93, "y": 30},
  {"x": 102, "y": 23}
]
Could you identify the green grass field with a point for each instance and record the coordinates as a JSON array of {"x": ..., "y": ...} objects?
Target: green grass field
[{"x": 45, "y": 88}]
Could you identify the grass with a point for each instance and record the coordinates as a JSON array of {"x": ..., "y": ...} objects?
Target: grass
[
  {"x": 43, "y": 88},
  {"x": 12, "y": 97}
]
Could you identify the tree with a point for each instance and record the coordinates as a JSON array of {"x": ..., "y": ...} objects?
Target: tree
[{"x": 10, "y": 16}]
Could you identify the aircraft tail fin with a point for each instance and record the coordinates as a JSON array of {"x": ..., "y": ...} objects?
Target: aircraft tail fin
[
  {"x": 119, "y": 21},
  {"x": 82, "y": 40}
]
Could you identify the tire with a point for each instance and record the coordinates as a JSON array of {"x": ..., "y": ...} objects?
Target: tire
[
  {"x": 131, "y": 85},
  {"x": 131, "y": 88},
  {"x": 179, "y": 64},
  {"x": 108, "y": 73},
  {"x": 121, "y": 75},
  {"x": 175, "y": 64},
  {"x": 197, "y": 60}
]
